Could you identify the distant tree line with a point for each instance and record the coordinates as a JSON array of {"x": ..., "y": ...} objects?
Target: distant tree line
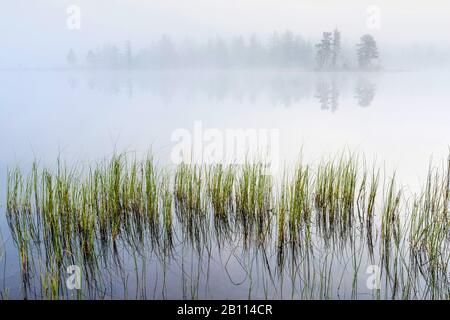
[
  {"x": 280, "y": 50},
  {"x": 329, "y": 52}
]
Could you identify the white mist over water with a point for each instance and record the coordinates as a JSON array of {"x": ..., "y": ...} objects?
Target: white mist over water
[{"x": 86, "y": 116}]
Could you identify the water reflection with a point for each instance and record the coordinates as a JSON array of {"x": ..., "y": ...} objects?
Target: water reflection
[
  {"x": 327, "y": 93},
  {"x": 277, "y": 88},
  {"x": 73, "y": 83},
  {"x": 2, "y": 247},
  {"x": 365, "y": 92}
]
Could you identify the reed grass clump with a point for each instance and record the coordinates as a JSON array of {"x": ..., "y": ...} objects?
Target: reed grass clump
[
  {"x": 77, "y": 213},
  {"x": 220, "y": 189},
  {"x": 166, "y": 207},
  {"x": 254, "y": 190},
  {"x": 189, "y": 189},
  {"x": 335, "y": 193},
  {"x": 429, "y": 230},
  {"x": 254, "y": 199},
  {"x": 300, "y": 202}
]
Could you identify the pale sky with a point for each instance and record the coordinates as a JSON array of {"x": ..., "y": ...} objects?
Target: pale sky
[{"x": 37, "y": 28}]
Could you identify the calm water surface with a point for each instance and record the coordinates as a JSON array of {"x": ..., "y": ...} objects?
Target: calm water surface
[{"x": 398, "y": 118}]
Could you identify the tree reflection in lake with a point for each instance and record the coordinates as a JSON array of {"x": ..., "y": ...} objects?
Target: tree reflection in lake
[
  {"x": 327, "y": 92},
  {"x": 275, "y": 88},
  {"x": 365, "y": 92}
]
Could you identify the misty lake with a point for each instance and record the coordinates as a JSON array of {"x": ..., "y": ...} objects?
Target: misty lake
[{"x": 398, "y": 119}]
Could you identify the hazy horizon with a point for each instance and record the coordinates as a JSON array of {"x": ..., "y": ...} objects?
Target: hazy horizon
[{"x": 36, "y": 34}]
